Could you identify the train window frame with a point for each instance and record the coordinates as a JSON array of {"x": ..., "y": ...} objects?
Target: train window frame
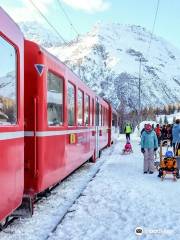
[
  {"x": 74, "y": 86},
  {"x": 85, "y": 110},
  {"x": 63, "y": 98},
  {"x": 17, "y": 80},
  {"x": 80, "y": 90}
]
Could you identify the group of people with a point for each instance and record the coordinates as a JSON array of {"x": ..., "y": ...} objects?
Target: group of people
[
  {"x": 164, "y": 132},
  {"x": 150, "y": 140}
]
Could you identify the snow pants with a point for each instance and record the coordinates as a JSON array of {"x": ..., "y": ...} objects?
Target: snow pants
[
  {"x": 127, "y": 136},
  {"x": 149, "y": 160}
]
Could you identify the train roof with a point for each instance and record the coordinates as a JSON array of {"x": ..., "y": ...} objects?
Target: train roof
[{"x": 8, "y": 26}]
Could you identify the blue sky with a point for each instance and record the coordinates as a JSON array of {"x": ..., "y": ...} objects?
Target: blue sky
[{"x": 85, "y": 13}]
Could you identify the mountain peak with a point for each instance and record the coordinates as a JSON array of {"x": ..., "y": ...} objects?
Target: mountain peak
[{"x": 108, "y": 59}]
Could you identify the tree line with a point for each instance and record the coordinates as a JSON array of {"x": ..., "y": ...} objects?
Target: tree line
[{"x": 146, "y": 114}]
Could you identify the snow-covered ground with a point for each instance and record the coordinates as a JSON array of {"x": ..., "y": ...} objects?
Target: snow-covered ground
[{"x": 117, "y": 201}]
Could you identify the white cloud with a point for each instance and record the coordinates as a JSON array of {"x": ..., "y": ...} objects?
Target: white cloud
[
  {"x": 27, "y": 12},
  {"x": 90, "y": 6}
]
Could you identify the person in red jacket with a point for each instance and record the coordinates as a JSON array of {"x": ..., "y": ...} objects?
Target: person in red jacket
[{"x": 158, "y": 133}]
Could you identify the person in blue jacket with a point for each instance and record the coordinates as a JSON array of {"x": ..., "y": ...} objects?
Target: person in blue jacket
[
  {"x": 176, "y": 136},
  {"x": 149, "y": 144}
]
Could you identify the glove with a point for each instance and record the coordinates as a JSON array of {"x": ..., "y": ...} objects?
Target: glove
[
  {"x": 155, "y": 149},
  {"x": 142, "y": 150}
]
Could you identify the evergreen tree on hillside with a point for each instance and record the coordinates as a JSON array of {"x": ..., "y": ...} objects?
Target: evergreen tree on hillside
[
  {"x": 164, "y": 111},
  {"x": 165, "y": 120},
  {"x": 170, "y": 109},
  {"x": 173, "y": 108}
]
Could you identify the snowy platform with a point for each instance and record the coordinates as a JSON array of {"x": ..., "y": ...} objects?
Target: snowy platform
[{"x": 119, "y": 199}]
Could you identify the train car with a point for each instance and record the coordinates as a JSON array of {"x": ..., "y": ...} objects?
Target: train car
[
  {"x": 11, "y": 116},
  {"x": 65, "y": 122}
]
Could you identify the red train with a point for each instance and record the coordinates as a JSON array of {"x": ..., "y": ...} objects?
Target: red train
[{"x": 50, "y": 121}]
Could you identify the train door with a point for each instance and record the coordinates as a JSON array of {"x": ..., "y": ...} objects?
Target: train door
[{"x": 97, "y": 128}]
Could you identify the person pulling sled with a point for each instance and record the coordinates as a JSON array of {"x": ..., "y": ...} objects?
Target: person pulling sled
[{"x": 128, "y": 131}]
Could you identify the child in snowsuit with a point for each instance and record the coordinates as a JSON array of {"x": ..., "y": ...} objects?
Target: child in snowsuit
[
  {"x": 127, "y": 147},
  {"x": 149, "y": 144}
]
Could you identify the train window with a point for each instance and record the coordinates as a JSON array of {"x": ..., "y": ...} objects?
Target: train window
[
  {"x": 54, "y": 99},
  {"x": 71, "y": 104},
  {"x": 103, "y": 116},
  {"x": 100, "y": 115},
  {"x": 86, "y": 114},
  {"x": 8, "y": 83},
  {"x": 92, "y": 109},
  {"x": 97, "y": 113},
  {"x": 80, "y": 108},
  {"x": 114, "y": 120},
  {"x": 106, "y": 118}
]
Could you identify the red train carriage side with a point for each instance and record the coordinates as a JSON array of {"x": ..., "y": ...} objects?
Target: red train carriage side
[
  {"x": 11, "y": 116},
  {"x": 65, "y": 122}
]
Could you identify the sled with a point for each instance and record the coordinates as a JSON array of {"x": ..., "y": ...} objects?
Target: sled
[
  {"x": 168, "y": 165},
  {"x": 124, "y": 152}
]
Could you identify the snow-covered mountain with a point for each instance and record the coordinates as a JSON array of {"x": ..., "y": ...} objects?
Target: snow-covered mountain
[
  {"x": 40, "y": 34},
  {"x": 108, "y": 60}
]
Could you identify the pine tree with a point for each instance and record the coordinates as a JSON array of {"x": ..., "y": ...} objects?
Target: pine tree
[
  {"x": 164, "y": 110},
  {"x": 170, "y": 109},
  {"x": 165, "y": 120},
  {"x": 173, "y": 108}
]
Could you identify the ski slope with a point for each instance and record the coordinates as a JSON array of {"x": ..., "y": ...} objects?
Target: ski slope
[{"x": 117, "y": 201}]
